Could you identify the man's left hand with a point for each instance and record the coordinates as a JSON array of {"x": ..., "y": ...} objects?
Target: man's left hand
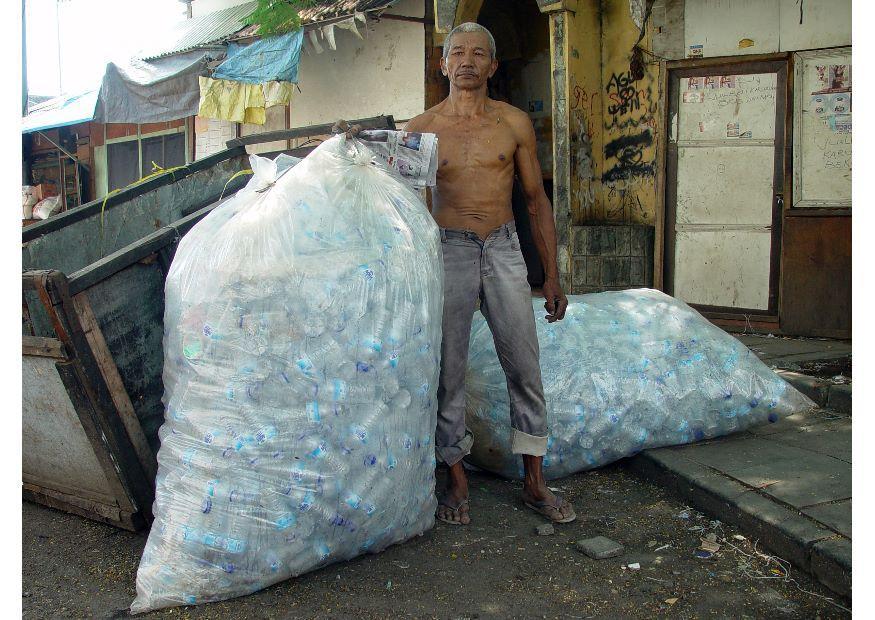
[{"x": 556, "y": 303}]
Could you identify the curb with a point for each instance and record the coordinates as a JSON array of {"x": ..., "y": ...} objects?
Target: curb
[
  {"x": 826, "y": 394},
  {"x": 807, "y": 545}
]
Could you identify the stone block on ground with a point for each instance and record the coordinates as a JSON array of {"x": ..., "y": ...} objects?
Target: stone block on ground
[
  {"x": 545, "y": 529},
  {"x": 599, "y": 548}
]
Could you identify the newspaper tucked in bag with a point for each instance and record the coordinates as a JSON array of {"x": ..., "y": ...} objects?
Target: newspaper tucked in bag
[{"x": 412, "y": 155}]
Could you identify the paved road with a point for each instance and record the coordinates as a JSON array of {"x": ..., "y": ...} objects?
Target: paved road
[{"x": 496, "y": 568}]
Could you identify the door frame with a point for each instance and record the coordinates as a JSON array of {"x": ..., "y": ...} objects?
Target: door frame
[{"x": 673, "y": 72}]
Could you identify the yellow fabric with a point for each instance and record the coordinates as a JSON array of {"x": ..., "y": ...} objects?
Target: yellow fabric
[
  {"x": 240, "y": 102},
  {"x": 277, "y": 93},
  {"x": 231, "y": 101}
]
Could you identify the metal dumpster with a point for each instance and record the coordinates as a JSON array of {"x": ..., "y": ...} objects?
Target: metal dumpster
[{"x": 92, "y": 326}]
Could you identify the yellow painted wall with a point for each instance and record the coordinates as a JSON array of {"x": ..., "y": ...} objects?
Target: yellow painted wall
[
  {"x": 629, "y": 114},
  {"x": 613, "y": 119},
  {"x": 585, "y": 122}
]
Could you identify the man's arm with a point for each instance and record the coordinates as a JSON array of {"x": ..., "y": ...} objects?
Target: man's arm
[{"x": 540, "y": 214}]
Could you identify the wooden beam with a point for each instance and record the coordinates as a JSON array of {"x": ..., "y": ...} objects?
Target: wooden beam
[
  {"x": 114, "y": 384},
  {"x": 43, "y": 347},
  {"x": 375, "y": 122},
  {"x": 402, "y": 18}
]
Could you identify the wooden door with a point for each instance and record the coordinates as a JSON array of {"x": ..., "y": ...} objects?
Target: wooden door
[{"x": 725, "y": 185}]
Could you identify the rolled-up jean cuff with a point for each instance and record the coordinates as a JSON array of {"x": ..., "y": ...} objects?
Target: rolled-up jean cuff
[
  {"x": 453, "y": 454},
  {"x": 523, "y": 443}
]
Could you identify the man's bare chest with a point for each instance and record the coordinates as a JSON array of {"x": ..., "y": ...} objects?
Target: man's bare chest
[{"x": 475, "y": 145}]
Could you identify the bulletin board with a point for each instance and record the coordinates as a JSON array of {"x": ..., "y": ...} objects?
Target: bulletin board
[{"x": 822, "y": 129}]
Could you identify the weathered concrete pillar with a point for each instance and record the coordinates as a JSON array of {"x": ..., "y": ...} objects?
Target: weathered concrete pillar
[{"x": 571, "y": 21}]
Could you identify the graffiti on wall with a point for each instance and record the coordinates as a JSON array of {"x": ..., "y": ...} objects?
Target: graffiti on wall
[
  {"x": 627, "y": 154},
  {"x": 625, "y": 205},
  {"x": 629, "y": 105},
  {"x": 629, "y": 175}
]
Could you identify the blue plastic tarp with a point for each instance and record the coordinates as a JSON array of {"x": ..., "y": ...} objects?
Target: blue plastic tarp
[
  {"x": 61, "y": 112},
  {"x": 266, "y": 60},
  {"x": 139, "y": 91}
]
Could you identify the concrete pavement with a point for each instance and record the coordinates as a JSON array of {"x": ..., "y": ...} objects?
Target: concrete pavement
[{"x": 788, "y": 484}]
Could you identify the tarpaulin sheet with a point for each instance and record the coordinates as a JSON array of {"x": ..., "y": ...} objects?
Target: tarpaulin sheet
[
  {"x": 161, "y": 90},
  {"x": 266, "y": 60},
  {"x": 61, "y": 112}
]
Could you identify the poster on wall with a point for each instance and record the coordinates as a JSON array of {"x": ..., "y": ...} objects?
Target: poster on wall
[
  {"x": 737, "y": 107},
  {"x": 822, "y": 129}
]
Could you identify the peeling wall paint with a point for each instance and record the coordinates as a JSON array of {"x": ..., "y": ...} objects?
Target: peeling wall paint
[
  {"x": 612, "y": 118},
  {"x": 562, "y": 214},
  {"x": 630, "y": 113},
  {"x": 585, "y": 112}
]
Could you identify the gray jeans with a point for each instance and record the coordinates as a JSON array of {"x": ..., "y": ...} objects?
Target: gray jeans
[{"x": 494, "y": 272}]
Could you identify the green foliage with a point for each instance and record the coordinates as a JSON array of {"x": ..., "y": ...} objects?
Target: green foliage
[{"x": 278, "y": 16}]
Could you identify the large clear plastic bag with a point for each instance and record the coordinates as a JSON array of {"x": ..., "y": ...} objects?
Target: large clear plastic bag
[
  {"x": 302, "y": 343},
  {"x": 622, "y": 372}
]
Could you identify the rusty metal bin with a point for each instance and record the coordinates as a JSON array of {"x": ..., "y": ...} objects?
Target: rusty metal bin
[
  {"x": 91, "y": 341},
  {"x": 92, "y": 329}
]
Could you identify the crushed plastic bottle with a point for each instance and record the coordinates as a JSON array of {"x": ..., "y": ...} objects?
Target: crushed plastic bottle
[
  {"x": 291, "y": 437},
  {"x": 624, "y": 371}
]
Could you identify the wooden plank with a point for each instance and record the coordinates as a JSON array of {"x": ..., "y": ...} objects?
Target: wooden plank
[
  {"x": 91, "y": 395},
  {"x": 725, "y": 64},
  {"x": 96, "y": 511},
  {"x": 71, "y": 376},
  {"x": 129, "y": 308},
  {"x": 375, "y": 122},
  {"x": 43, "y": 347},
  {"x": 118, "y": 260},
  {"x": 117, "y": 391},
  {"x": 659, "y": 223},
  {"x": 816, "y": 283}
]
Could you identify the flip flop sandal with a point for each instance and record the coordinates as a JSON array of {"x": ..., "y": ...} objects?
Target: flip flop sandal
[
  {"x": 545, "y": 508},
  {"x": 443, "y": 502}
]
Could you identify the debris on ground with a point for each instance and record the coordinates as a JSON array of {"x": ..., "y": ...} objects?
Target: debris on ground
[
  {"x": 545, "y": 529},
  {"x": 599, "y": 548},
  {"x": 710, "y": 547}
]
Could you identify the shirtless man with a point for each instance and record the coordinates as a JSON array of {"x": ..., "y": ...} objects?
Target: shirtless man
[{"x": 483, "y": 143}]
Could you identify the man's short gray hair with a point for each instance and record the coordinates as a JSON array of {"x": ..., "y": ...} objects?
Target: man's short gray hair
[{"x": 469, "y": 27}]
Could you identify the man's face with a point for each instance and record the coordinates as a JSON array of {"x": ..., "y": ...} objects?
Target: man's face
[{"x": 469, "y": 64}]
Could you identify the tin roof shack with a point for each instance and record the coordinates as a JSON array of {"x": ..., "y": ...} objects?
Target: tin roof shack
[
  {"x": 136, "y": 122},
  {"x": 360, "y": 58},
  {"x": 143, "y": 115},
  {"x": 56, "y": 150},
  {"x": 699, "y": 147},
  {"x": 81, "y": 159}
]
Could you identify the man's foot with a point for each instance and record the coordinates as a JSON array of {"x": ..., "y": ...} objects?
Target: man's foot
[
  {"x": 452, "y": 511},
  {"x": 549, "y": 505},
  {"x": 453, "y": 504},
  {"x": 539, "y": 498}
]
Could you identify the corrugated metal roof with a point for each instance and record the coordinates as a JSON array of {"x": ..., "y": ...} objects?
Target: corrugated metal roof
[
  {"x": 216, "y": 28},
  {"x": 61, "y": 111},
  {"x": 202, "y": 31},
  {"x": 333, "y": 8}
]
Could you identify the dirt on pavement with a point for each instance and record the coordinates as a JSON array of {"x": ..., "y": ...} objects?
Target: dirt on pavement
[{"x": 497, "y": 567}]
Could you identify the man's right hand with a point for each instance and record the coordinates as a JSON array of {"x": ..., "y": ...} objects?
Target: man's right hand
[{"x": 343, "y": 127}]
